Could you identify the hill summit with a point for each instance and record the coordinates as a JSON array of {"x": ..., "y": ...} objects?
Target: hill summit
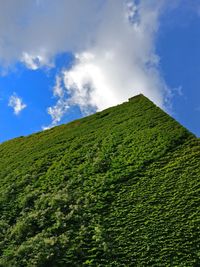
[{"x": 118, "y": 188}]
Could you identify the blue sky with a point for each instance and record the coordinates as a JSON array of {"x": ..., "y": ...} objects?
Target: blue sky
[{"x": 61, "y": 60}]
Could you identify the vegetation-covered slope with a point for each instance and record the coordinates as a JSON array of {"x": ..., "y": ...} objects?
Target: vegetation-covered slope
[{"x": 118, "y": 188}]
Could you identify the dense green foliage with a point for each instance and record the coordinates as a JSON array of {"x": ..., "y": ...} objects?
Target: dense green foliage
[{"x": 118, "y": 188}]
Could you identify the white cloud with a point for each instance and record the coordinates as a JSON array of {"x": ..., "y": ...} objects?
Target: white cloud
[
  {"x": 32, "y": 29},
  {"x": 114, "y": 43},
  {"x": 121, "y": 62},
  {"x": 16, "y": 103}
]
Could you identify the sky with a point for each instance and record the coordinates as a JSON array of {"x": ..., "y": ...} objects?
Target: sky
[{"x": 65, "y": 59}]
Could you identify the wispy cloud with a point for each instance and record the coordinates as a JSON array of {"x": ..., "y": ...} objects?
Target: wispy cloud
[
  {"x": 34, "y": 62},
  {"x": 16, "y": 103},
  {"x": 60, "y": 108},
  {"x": 198, "y": 109}
]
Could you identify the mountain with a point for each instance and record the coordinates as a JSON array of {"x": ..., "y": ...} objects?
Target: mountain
[{"x": 118, "y": 188}]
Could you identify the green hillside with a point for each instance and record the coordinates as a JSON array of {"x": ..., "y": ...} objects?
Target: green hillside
[{"x": 118, "y": 188}]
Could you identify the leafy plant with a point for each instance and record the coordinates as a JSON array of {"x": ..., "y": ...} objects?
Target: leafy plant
[{"x": 118, "y": 188}]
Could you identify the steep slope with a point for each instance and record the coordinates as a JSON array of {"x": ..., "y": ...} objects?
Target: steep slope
[{"x": 118, "y": 188}]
